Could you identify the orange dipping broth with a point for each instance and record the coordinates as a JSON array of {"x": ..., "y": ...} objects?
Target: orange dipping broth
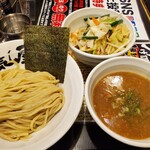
[{"x": 122, "y": 102}]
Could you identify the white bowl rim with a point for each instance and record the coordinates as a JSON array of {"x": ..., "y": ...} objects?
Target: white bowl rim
[
  {"x": 47, "y": 137},
  {"x": 132, "y": 142},
  {"x": 101, "y": 56}
]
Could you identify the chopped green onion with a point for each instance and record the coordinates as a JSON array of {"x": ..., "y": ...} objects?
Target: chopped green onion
[
  {"x": 105, "y": 15},
  {"x": 115, "y": 23},
  {"x": 85, "y": 19},
  {"x": 89, "y": 37},
  {"x": 86, "y": 31}
]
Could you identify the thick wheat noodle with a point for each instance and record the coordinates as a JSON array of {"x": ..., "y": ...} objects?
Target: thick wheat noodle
[{"x": 28, "y": 100}]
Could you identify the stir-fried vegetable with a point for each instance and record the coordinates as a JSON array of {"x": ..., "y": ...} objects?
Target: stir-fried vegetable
[{"x": 101, "y": 36}]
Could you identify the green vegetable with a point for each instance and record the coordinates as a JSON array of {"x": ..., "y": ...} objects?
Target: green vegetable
[
  {"x": 85, "y": 19},
  {"x": 89, "y": 37},
  {"x": 87, "y": 29},
  {"x": 105, "y": 15},
  {"x": 102, "y": 34},
  {"x": 132, "y": 101},
  {"x": 94, "y": 52},
  {"x": 115, "y": 23}
]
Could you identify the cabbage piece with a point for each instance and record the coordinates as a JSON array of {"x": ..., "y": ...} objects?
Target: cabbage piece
[
  {"x": 120, "y": 35},
  {"x": 80, "y": 32},
  {"x": 90, "y": 43},
  {"x": 108, "y": 19},
  {"x": 104, "y": 27},
  {"x": 125, "y": 31},
  {"x": 90, "y": 33},
  {"x": 82, "y": 43},
  {"x": 90, "y": 22},
  {"x": 83, "y": 48},
  {"x": 73, "y": 38},
  {"x": 113, "y": 39},
  {"x": 97, "y": 32}
]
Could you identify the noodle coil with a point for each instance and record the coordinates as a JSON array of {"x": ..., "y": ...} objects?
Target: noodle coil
[{"x": 28, "y": 101}]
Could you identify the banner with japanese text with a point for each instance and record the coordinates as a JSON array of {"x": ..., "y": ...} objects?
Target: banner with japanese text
[
  {"x": 54, "y": 11},
  {"x": 128, "y": 8}
]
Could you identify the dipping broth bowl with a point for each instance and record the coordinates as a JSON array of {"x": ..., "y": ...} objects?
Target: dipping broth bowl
[{"x": 134, "y": 65}]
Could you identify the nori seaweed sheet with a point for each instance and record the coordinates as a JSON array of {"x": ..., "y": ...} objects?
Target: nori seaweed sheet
[{"x": 46, "y": 49}]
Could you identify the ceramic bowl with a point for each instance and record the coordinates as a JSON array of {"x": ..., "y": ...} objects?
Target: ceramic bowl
[
  {"x": 59, "y": 125},
  {"x": 76, "y": 20},
  {"x": 122, "y": 63}
]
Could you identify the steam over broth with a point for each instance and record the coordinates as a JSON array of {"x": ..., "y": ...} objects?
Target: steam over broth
[{"x": 122, "y": 101}]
